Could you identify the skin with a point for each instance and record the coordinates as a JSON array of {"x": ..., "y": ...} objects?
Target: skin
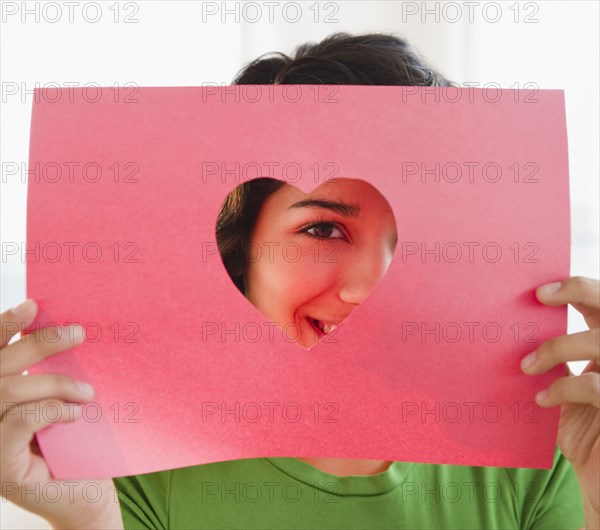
[
  {"x": 334, "y": 291},
  {"x": 21, "y": 464},
  {"x": 577, "y": 396},
  {"x": 343, "y": 251}
]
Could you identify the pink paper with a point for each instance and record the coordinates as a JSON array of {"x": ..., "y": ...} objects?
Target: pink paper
[{"x": 121, "y": 217}]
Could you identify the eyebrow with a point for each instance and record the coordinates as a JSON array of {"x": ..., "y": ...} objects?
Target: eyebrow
[{"x": 342, "y": 208}]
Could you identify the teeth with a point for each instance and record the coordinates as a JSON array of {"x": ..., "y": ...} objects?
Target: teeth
[
  {"x": 328, "y": 328},
  {"x": 325, "y": 327}
]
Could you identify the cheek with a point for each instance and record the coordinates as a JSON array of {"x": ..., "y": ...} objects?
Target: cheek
[{"x": 278, "y": 286}]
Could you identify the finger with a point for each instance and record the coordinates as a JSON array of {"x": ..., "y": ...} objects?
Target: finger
[
  {"x": 22, "y": 421},
  {"x": 29, "y": 418},
  {"x": 574, "y": 347},
  {"x": 35, "y": 347},
  {"x": 15, "y": 389},
  {"x": 592, "y": 366},
  {"x": 15, "y": 320},
  {"x": 584, "y": 388},
  {"x": 575, "y": 290}
]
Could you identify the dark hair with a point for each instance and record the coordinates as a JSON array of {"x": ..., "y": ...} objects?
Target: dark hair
[
  {"x": 344, "y": 59},
  {"x": 340, "y": 59},
  {"x": 236, "y": 221}
]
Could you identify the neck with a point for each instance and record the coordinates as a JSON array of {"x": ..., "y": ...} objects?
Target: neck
[{"x": 347, "y": 466}]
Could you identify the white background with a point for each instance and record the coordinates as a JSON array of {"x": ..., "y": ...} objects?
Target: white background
[{"x": 553, "y": 44}]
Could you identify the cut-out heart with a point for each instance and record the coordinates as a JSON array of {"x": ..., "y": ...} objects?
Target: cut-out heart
[{"x": 306, "y": 260}]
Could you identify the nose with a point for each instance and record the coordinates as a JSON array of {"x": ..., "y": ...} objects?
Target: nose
[{"x": 362, "y": 275}]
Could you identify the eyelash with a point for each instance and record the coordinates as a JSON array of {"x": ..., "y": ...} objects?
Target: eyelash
[{"x": 323, "y": 222}]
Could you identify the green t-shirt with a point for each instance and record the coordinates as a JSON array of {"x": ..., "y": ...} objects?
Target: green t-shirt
[{"x": 286, "y": 493}]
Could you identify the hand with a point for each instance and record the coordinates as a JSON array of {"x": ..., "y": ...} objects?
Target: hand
[
  {"x": 47, "y": 398},
  {"x": 578, "y": 396}
]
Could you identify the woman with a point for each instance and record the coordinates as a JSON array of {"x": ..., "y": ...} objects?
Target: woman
[
  {"x": 344, "y": 236},
  {"x": 324, "y": 492}
]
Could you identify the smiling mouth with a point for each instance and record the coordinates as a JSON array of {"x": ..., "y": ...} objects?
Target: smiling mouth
[{"x": 322, "y": 328}]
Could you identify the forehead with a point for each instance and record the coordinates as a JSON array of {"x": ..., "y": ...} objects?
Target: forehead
[{"x": 348, "y": 190}]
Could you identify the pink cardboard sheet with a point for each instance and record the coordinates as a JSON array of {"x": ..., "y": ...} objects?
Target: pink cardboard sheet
[{"x": 121, "y": 238}]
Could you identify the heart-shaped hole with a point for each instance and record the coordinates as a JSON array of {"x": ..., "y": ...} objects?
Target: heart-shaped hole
[{"x": 306, "y": 261}]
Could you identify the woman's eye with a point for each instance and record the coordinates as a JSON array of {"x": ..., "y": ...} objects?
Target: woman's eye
[{"x": 325, "y": 231}]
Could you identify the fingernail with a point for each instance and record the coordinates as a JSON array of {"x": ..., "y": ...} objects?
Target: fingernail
[
  {"x": 72, "y": 333},
  {"x": 541, "y": 396},
  {"x": 74, "y": 411},
  {"x": 84, "y": 389},
  {"x": 21, "y": 309},
  {"x": 550, "y": 288},
  {"x": 529, "y": 360}
]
